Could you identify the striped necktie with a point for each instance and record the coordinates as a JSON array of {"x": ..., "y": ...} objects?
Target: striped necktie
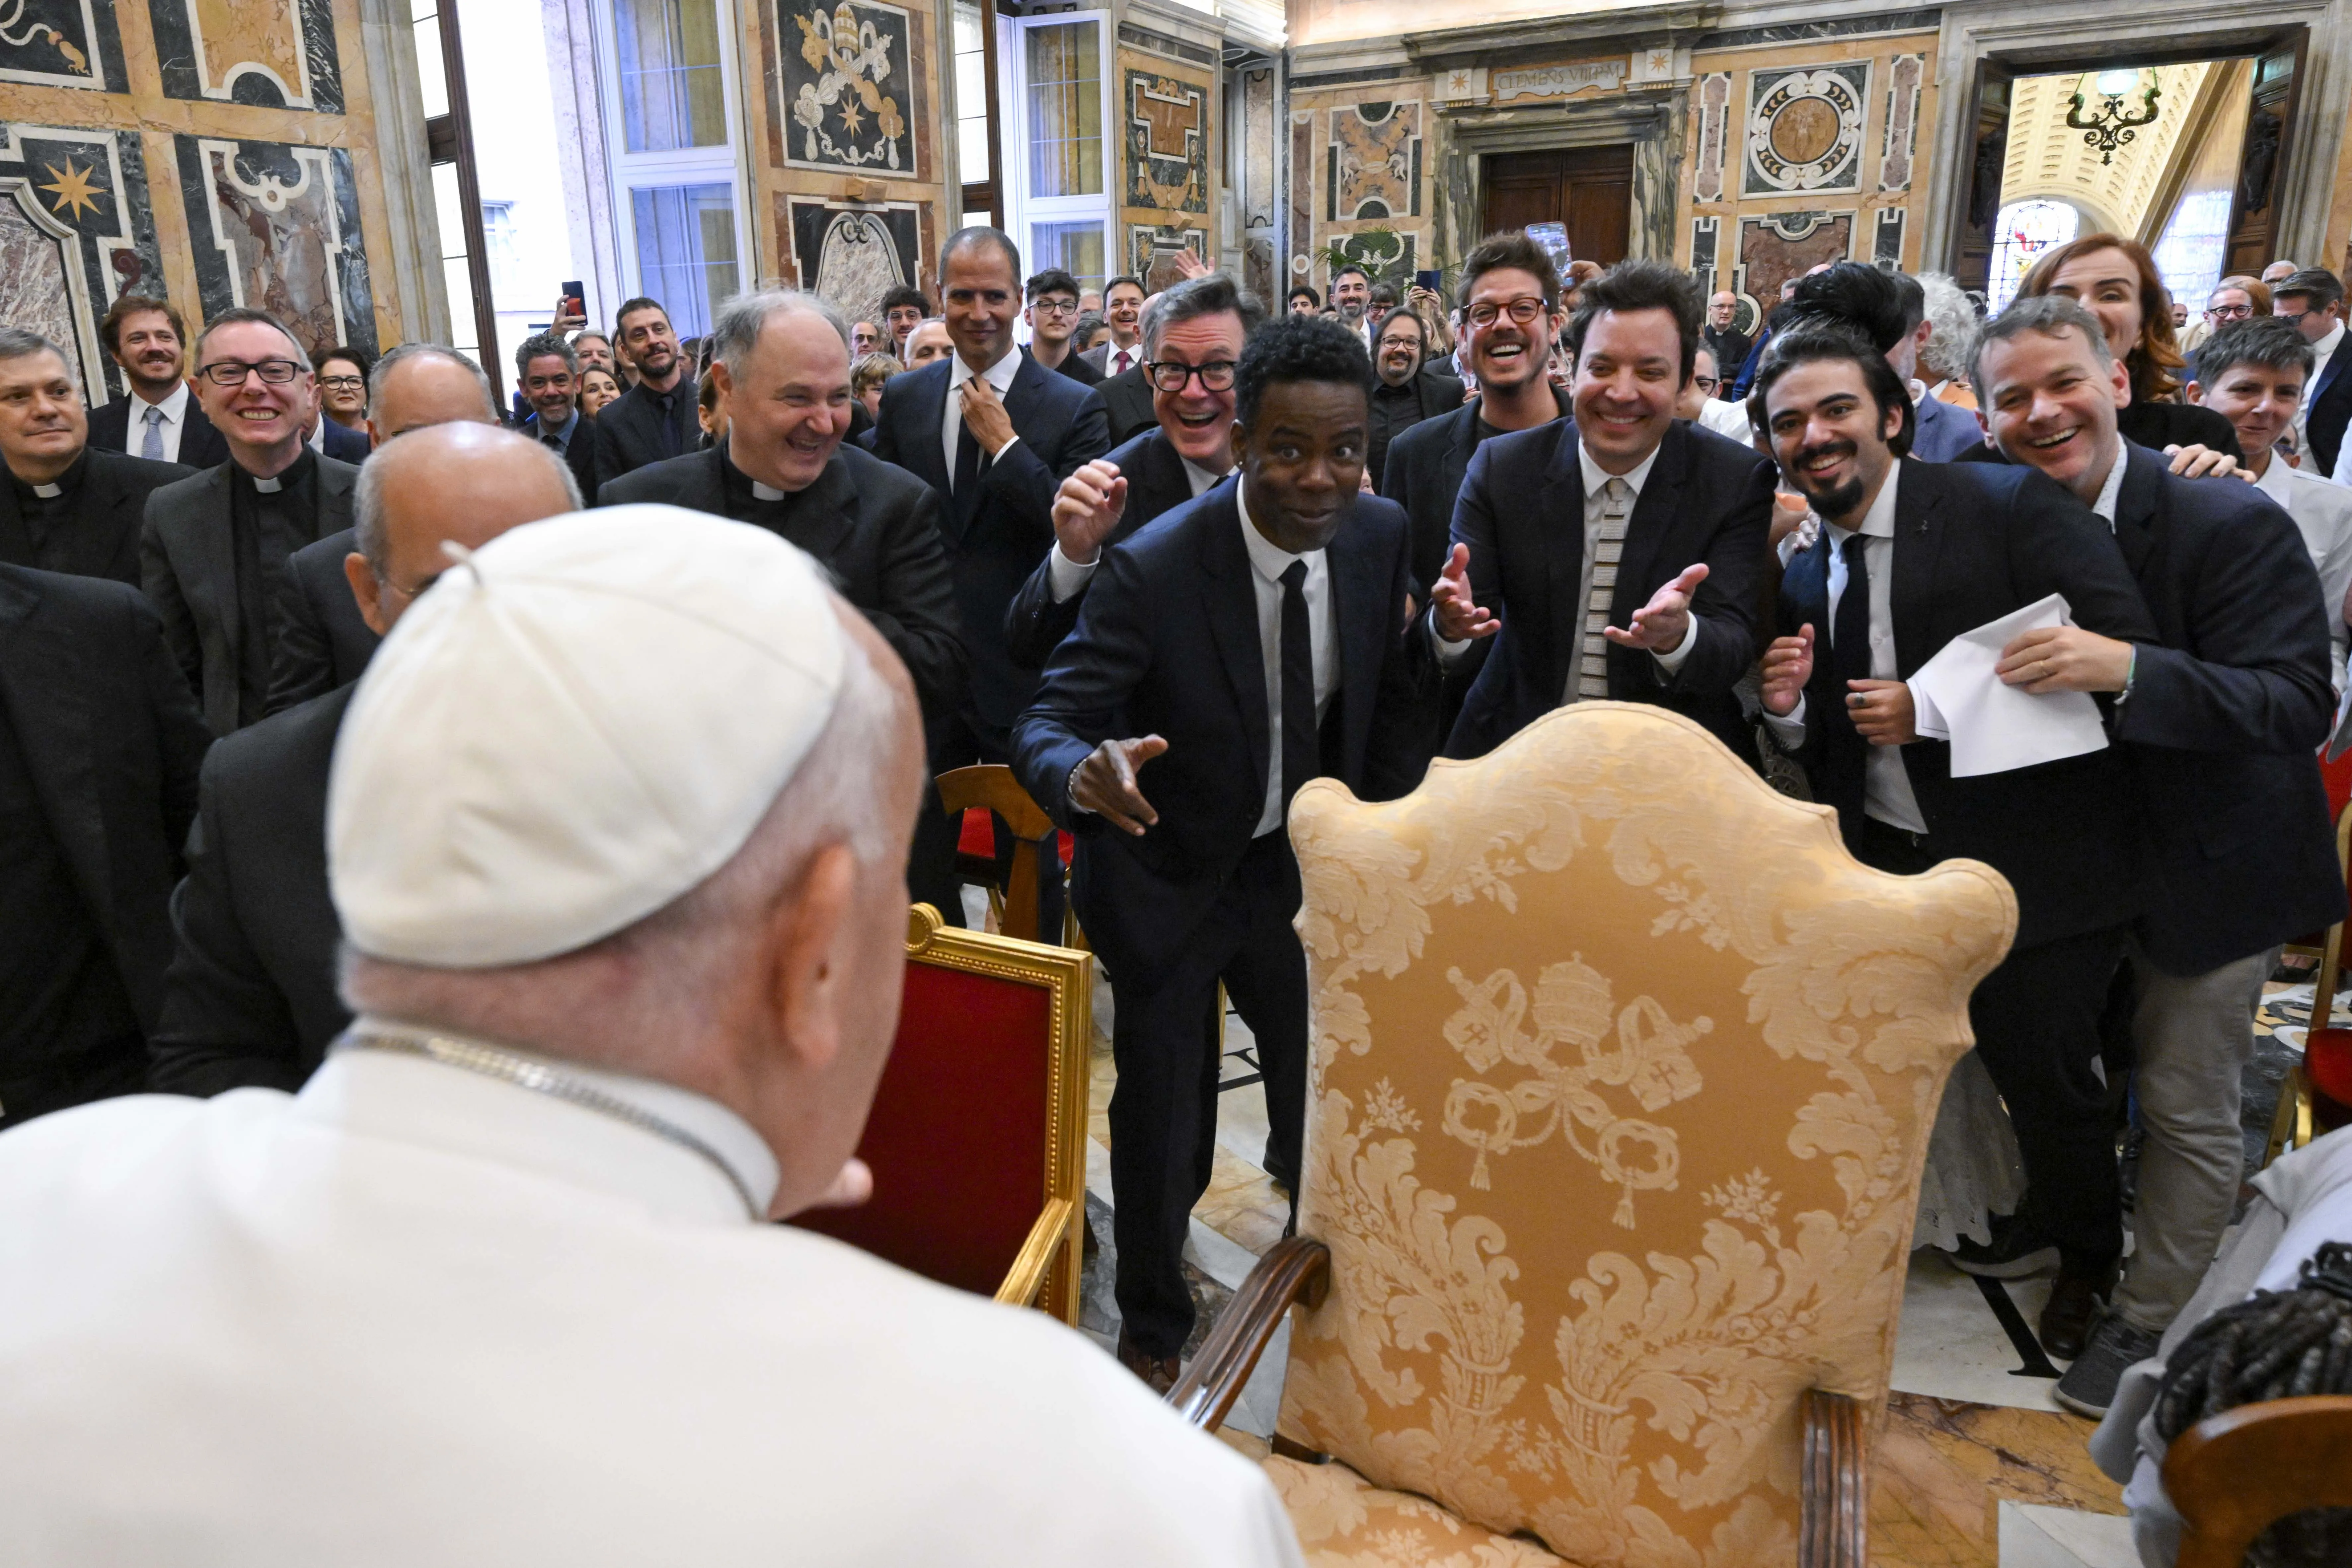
[{"x": 1592, "y": 667}]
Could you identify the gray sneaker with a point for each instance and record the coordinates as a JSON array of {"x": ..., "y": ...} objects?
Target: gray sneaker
[{"x": 2089, "y": 1385}]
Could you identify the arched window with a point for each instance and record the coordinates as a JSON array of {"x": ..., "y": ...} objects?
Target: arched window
[
  {"x": 2023, "y": 231},
  {"x": 2190, "y": 255}
]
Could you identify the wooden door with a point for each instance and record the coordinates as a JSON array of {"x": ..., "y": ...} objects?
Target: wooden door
[
  {"x": 1589, "y": 189},
  {"x": 2262, "y": 166}
]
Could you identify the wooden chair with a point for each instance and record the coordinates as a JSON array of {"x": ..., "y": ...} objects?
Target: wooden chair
[
  {"x": 990, "y": 786},
  {"x": 1622, "y": 1077},
  {"x": 977, "y": 1137},
  {"x": 2315, "y": 1096},
  {"x": 2233, "y": 1475}
]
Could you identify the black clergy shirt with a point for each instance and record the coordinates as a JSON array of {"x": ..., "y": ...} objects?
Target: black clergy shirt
[{"x": 270, "y": 519}]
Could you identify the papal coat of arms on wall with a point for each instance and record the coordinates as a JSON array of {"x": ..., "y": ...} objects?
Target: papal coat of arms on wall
[{"x": 845, "y": 87}]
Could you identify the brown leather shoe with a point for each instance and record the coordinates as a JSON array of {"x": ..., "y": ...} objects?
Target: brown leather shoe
[
  {"x": 2073, "y": 1306},
  {"x": 1159, "y": 1373}
]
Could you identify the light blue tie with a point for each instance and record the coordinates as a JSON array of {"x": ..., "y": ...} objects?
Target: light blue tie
[{"x": 153, "y": 447}]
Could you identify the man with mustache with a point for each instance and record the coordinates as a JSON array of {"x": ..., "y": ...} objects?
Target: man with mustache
[
  {"x": 64, "y": 506},
  {"x": 1617, "y": 554},
  {"x": 655, "y": 418},
  {"x": 1410, "y": 389},
  {"x": 1123, "y": 312},
  {"x": 1911, "y": 555},
  {"x": 158, "y": 417},
  {"x": 214, "y": 551}
]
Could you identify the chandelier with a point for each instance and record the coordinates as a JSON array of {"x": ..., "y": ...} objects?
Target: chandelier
[{"x": 2112, "y": 125}]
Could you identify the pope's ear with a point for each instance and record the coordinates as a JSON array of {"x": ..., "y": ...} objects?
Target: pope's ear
[{"x": 806, "y": 932}]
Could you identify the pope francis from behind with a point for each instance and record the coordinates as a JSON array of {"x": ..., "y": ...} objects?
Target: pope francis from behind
[{"x": 617, "y": 830}]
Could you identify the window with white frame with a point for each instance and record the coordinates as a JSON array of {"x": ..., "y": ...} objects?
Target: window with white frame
[
  {"x": 670, "y": 114},
  {"x": 1060, "y": 89}
]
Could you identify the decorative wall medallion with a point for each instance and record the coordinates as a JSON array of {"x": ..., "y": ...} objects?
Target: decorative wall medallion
[
  {"x": 854, "y": 255},
  {"x": 841, "y": 87},
  {"x": 76, "y": 230},
  {"x": 1166, "y": 143},
  {"x": 1374, "y": 163},
  {"x": 1903, "y": 73},
  {"x": 1559, "y": 81},
  {"x": 279, "y": 56},
  {"x": 1652, "y": 65},
  {"x": 1152, "y": 249},
  {"x": 61, "y": 43},
  {"x": 1804, "y": 129},
  {"x": 276, "y": 228},
  {"x": 1713, "y": 99}
]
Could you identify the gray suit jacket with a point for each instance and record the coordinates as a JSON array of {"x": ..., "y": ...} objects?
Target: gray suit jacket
[{"x": 188, "y": 566}]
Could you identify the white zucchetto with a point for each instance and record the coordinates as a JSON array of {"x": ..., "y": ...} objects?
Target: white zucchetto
[{"x": 576, "y": 726}]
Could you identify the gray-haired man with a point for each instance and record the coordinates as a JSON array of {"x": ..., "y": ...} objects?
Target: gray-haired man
[
  {"x": 548, "y": 369},
  {"x": 65, "y": 505}
]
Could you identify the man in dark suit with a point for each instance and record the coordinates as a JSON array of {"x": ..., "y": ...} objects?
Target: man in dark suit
[
  {"x": 1912, "y": 555},
  {"x": 783, "y": 367},
  {"x": 1506, "y": 276},
  {"x": 99, "y": 745},
  {"x": 2313, "y": 298},
  {"x": 1053, "y": 316},
  {"x": 1250, "y": 640},
  {"x": 64, "y": 507},
  {"x": 1724, "y": 339},
  {"x": 1410, "y": 390},
  {"x": 546, "y": 368},
  {"x": 159, "y": 417},
  {"x": 993, "y": 433},
  {"x": 656, "y": 418},
  {"x": 322, "y": 641},
  {"x": 2221, "y": 714},
  {"x": 1617, "y": 554},
  {"x": 1127, "y": 403},
  {"x": 338, "y": 442},
  {"x": 214, "y": 546},
  {"x": 1122, "y": 353},
  {"x": 251, "y": 999},
  {"x": 1192, "y": 335}
]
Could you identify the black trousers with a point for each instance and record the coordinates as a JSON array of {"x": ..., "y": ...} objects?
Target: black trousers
[
  {"x": 2037, "y": 1023},
  {"x": 931, "y": 859},
  {"x": 1163, "y": 1114}
]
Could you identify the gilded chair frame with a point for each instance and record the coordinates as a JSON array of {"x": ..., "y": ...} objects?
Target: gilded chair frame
[{"x": 1045, "y": 1273}]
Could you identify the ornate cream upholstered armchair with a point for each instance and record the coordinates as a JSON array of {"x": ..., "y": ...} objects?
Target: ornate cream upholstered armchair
[{"x": 1623, "y": 1071}]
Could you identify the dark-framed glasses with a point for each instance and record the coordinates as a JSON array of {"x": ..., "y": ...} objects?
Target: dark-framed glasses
[
  {"x": 1056, "y": 307},
  {"x": 340, "y": 382},
  {"x": 1705, "y": 384},
  {"x": 1170, "y": 376},
  {"x": 231, "y": 373},
  {"x": 2228, "y": 312},
  {"x": 1522, "y": 312}
]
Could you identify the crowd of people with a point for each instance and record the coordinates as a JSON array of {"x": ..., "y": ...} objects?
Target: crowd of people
[{"x": 1167, "y": 556}]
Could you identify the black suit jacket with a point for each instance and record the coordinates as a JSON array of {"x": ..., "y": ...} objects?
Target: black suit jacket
[
  {"x": 1156, "y": 483},
  {"x": 202, "y": 445},
  {"x": 2225, "y": 719},
  {"x": 875, "y": 528},
  {"x": 250, "y": 1000},
  {"x": 344, "y": 444},
  {"x": 188, "y": 567},
  {"x": 1127, "y": 405},
  {"x": 1060, "y": 423},
  {"x": 1080, "y": 369},
  {"x": 115, "y": 743},
  {"x": 579, "y": 453},
  {"x": 1423, "y": 475},
  {"x": 629, "y": 431},
  {"x": 101, "y": 540},
  {"x": 1434, "y": 393},
  {"x": 2331, "y": 407},
  {"x": 324, "y": 642},
  {"x": 1973, "y": 542},
  {"x": 1167, "y": 644},
  {"x": 1522, "y": 514}
]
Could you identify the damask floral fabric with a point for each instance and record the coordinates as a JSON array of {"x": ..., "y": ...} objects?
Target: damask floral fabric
[
  {"x": 1624, "y": 1073},
  {"x": 1343, "y": 1521}
]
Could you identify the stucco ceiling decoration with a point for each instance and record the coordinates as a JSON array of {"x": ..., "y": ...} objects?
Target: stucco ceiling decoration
[{"x": 2047, "y": 157}]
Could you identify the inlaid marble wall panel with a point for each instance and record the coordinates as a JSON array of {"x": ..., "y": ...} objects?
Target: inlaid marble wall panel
[
  {"x": 856, "y": 255},
  {"x": 61, "y": 43},
  {"x": 271, "y": 54},
  {"x": 844, "y": 93},
  {"x": 1374, "y": 162},
  {"x": 1167, "y": 134},
  {"x": 1259, "y": 149},
  {"x": 1803, "y": 130},
  {"x": 1788, "y": 245},
  {"x": 276, "y": 228},
  {"x": 76, "y": 230},
  {"x": 1152, "y": 249}
]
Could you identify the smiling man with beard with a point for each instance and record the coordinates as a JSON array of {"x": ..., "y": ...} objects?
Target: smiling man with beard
[
  {"x": 1911, "y": 555},
  {"x": 1410, "y": 390},
  {"x": 656, "y": 418},
  {"x": 159, "y": 416}
]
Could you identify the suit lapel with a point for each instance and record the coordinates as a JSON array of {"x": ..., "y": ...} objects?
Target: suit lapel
[
  {"x": 1558, "y": 512},
  {"x": 821, "y": 516},
  {"x": 207, "y": 547},
  {"x": 1919, "y": 523},
  {"x": 1028, "y": 388},
  {"x": 335, "y": 486},
  {"x": 1164, "y": 472},
  {"x": 1231, "y": 604},
  {"x": 1465, "y": 436},
  {"x": 40, "y": 682},
  {"x": 2138, "y": 502}
]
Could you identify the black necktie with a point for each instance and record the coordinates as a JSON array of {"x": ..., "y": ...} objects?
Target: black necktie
[
  {"x": 966, "y": 474},
  {"x": 1850, "y": 628},
  {"x": 674, "y": 435},
  {"x": 1301, "y": 754}
]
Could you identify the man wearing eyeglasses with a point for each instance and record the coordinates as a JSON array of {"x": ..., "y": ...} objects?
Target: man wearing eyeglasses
[
  {"x": 1053, "y": 316},
  {"x": 215, "y": 546},
  {"x": 1410, "y": 389},
  {"x": 2313, "y": 298}
]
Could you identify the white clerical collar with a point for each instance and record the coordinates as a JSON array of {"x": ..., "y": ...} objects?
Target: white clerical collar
[
  {"x": 1270, "y": 560},
  {"x": 1203, "y": 480},
  {"x": 2105, "y": 505},
  {"x": 477, "y": 1115},
  {"x": 1595, "y": 475},
  {"x": 269, "y": 487},
  {"x": 765, "y": 492},
  {"x": 48, "y": 493},
  {"x": 1000, "y": 375}
]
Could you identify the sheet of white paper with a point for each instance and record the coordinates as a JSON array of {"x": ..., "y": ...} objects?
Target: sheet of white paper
[{"x": 1995, "y": 728}]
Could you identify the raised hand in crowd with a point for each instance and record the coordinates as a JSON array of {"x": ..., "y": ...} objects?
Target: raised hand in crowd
[
  {"x": 1787, "y": 665},
  {"x": 1457, "y": 612},
  {"x": 1661, "y": 624},
  {"x": 1086, "y": 509}
]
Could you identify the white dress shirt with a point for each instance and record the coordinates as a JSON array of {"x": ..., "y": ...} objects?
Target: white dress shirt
[
  {"x": 1000, "y": 376},
  {"x": 1268, "y": 562},
  {"x": 1068, "y": 577},
  {"x": 1729, "y": 420},
  {"x": 415, "y": 1314},
  {"x": 2321, "y": 352},
  {"x": 1117, "y": 361},
  {"x": 1886, "y": 786},
  {"x": 175, "y": 421},
  {"x": 2323, "y": 515}
]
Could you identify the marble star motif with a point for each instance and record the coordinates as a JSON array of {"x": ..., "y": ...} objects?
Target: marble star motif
[{"x": 73, "y": 189}]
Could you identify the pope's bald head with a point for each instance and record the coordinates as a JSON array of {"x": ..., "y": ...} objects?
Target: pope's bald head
[
  {"x": 417, "y": 384},
  {"x": 465, "y": 483}
]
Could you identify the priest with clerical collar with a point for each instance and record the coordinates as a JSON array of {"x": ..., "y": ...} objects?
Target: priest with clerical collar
[
  {"x": 617, "y": 832},
  {"x": 64, "y": 506}
]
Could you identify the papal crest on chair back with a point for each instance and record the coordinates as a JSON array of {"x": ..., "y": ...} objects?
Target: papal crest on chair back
[{"x": 1624, "y": 1074}]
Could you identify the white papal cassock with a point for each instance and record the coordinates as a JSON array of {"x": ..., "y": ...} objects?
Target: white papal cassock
[{"x": 417, "y": 1316}]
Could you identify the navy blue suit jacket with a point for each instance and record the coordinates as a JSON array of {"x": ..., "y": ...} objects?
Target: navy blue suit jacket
[
  {"x": 1167, "y": 644},
  {"x": 344, "y": 444},
  {"x": 1521, "y": 513},
  {"x": 2331, "y": 407},
  {"x": 1061, "y": 426},
  {"x": 1943, "y": 431}
]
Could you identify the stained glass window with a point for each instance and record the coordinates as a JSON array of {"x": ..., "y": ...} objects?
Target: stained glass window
[{"x": 2023, "y": 231}]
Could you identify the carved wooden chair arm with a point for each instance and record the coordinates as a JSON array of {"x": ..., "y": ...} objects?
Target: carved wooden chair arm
[
  {"x": 1295, "y": 1270},
  {"x": 1834, "y": 1530},
  {"x": 2233, "y": 1474},
  {"x": 1028, "y": 1271}
]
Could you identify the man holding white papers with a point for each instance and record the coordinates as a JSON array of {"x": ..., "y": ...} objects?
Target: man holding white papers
[
  {"x": 1913, "y": 555},
  {"x": 2221, "y": 718}
]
